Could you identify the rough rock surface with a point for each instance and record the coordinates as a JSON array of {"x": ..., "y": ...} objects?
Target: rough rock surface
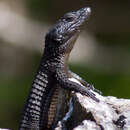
[{"x": 84, "y": 113}]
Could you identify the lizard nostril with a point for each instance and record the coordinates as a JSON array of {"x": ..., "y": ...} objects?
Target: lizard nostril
[{"x": 89, "y": 10}]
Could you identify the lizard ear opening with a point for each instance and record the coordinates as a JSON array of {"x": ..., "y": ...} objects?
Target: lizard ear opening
[{"x": 53, "y": 38}]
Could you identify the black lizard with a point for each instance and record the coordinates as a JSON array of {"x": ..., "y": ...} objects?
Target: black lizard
[{"x": 53, "y": 70}]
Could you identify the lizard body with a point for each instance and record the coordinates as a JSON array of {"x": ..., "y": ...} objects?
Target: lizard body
[{"x": 39, "y": 109}]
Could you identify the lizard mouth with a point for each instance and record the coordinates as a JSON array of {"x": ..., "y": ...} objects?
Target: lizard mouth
[{"x": 81, "y": 19}]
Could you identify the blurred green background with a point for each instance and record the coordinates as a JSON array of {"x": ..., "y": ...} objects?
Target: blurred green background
[{"x": 101, "y": 55}]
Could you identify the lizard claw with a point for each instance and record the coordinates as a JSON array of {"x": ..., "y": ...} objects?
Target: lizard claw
[
  {"x": 90, "y": 86},
  {"x": 90, "y": 94}
]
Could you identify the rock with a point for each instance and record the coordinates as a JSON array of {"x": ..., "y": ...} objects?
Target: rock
[{"x": 84, "y": 113}]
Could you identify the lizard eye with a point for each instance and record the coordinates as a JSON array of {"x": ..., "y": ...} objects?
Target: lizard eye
[{"x": 69, "y": 19}]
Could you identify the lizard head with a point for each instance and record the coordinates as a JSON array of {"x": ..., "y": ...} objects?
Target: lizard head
[{"x": 64, "y": 33}]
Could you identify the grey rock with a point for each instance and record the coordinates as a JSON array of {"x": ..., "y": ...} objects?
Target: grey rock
[{"x": 84, "y": 113}]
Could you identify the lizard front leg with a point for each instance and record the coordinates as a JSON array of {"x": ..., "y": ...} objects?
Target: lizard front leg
[
  {"x": 82, "y": 81},
  {"x": 63, "y": 81}
]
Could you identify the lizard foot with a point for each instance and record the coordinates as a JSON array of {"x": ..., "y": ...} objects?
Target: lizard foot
[
  {"x": 90, "y": 86},
  {"x": 90, "y": 94}
]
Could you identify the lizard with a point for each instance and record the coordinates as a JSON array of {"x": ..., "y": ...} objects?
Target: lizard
[{"x": 54, "y": 70}]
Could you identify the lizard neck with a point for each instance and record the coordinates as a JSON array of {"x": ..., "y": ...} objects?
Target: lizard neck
[{"x": 58, "y": 55}]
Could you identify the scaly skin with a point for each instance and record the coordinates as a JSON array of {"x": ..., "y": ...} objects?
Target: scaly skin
[{"x": 54, "y": 71}]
